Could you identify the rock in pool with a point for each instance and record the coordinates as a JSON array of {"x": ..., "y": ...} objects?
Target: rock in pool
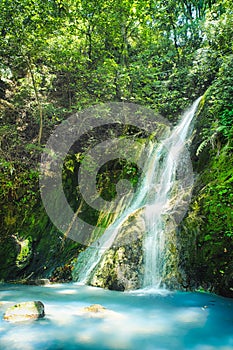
[
  {"x": 26, "y": 311},
  {"x": 95, "y": 308}
]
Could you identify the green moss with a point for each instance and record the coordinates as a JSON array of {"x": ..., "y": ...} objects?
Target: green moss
[
  {"x": 25, "y": 252},
  {"x": 209, "y": 226}
]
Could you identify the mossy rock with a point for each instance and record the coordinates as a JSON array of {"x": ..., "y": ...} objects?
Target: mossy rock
[
  {"x": 121, "y": 267},
  {"x": 26, "y": 311}
]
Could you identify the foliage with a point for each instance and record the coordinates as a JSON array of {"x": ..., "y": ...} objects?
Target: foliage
[{"x": 210, "y": 223}]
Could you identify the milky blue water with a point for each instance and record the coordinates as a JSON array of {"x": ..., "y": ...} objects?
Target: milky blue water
[{"x": 138, "y": 320}]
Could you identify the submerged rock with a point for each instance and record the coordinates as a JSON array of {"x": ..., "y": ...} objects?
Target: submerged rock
[
  {"x": 95, "y": 308},
  {"x": 99, "y": 311},
  {"x": 29, "y": 310}
]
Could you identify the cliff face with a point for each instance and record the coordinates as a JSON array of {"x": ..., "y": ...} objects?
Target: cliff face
[
  {"x": 200, "y": 251},
  {"x": 31, "y": 247},
  {"x": 207, "y": 230},
  {"x": 202, "y": 244}
]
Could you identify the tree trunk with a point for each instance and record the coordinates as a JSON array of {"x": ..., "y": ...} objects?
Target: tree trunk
[{"x": 37, "y": 100}]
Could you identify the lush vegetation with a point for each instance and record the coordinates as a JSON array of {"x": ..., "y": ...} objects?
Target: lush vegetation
[{"x": 61, "y": 56}]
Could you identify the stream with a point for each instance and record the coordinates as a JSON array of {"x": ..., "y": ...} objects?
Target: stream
[{"x": 143, "y": 319}]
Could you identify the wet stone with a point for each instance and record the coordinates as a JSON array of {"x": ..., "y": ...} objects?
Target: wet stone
[{"x": 25, "y": 311}]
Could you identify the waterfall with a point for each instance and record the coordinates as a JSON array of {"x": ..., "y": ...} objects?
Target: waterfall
[
  {"x": 161, "y": 195},
  {"x": 166, "y": 196}
]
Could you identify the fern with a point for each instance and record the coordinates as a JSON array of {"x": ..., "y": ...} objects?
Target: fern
[{"x": 210, "y": 139}]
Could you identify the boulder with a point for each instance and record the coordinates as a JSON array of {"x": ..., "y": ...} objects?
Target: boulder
[
  {"x": 29, "y": 310},
  {"x": 121, "y": 267}
]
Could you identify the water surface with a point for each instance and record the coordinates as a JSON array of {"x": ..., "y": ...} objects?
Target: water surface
[{"x": 144, "y": 319}]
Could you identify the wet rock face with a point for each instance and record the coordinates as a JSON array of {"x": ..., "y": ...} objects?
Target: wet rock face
[
  {"x": 121, "y": 267},
  {"x": 26, "y": 311},
  {"x": 118, "y": 270}
]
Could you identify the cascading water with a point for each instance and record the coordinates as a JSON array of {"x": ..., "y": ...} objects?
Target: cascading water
[
  {"x": 160, "y": 195},
  {"x": 165, "y": 198}
]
